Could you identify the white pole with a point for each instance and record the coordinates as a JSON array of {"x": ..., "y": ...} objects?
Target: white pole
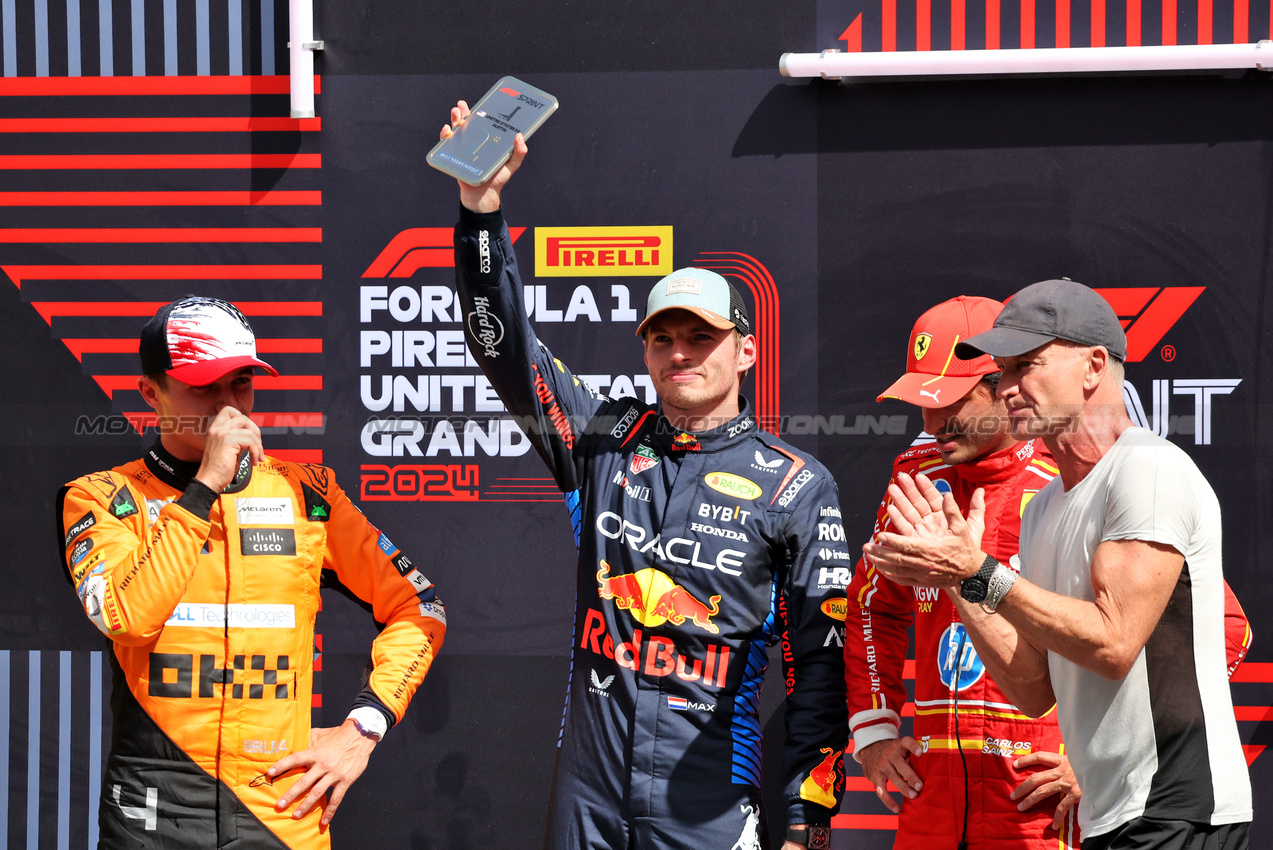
[
  {"x": 833, "y": 64},
  {"x": 300, "y": 16}
]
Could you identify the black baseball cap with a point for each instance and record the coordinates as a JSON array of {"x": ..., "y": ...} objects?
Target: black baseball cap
[{"x": 1048, "y": 310}]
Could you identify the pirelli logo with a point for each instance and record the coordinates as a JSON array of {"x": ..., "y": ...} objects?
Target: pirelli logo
[{"x": 603, "y": 251}]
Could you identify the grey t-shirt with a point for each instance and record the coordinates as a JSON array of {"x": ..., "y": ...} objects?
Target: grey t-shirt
[{"x": 1163, "y": 741}]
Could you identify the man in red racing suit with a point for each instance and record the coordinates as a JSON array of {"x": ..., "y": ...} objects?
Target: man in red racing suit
[
  {"x": 974, "y": 758},
  {"x": 201, "y": 563}
]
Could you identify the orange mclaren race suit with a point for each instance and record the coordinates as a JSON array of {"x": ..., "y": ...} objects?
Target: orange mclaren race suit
[
  {"x": 209, "y": 603},
  {"x": 696, "y": 552},
  {"x": 969, "y": 732}
]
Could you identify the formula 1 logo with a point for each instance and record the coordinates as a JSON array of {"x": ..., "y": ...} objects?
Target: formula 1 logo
[
  {"x": 420, "y": 248},
  {"x": 1147, "y": 313}
]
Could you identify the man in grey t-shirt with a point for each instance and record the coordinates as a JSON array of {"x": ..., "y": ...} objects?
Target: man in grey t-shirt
[{"x": 1117, "y": 618}]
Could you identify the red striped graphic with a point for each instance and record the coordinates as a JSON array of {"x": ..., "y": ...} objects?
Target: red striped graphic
[
  {"x": 888, "y": 11},
  {"x": 116, "y": 235},
  {"x": 49, "y": 309},
  {"x": 864, "y": 822},
  {"x": 767, "y": 324},
  {"x": 184, "y": 272},
  {"x": 144, "y": 171},
  {"x": 276, "y": 197},
  {"x": 1062, "y": 23},
  {"x": 992, "y": 24},
  {"x": 923, "y": 24},
  {"x": 142, "y": 419},
  {"x": 302, "y": 456},
  {"x": 1241, "y": 24},
  {"x": 1204, "y": 21},
  {"x": 80, "y": 347},
  {"x": 211, "y": 124},
  {"x": 111, "y": 383},
  {"x": 1254, "y": 671},
  {"x": 1133, "y": 23},
  {"x": 852, "y": 35},
  {"x": 46, "y": 86},
  {"x": 1098, "y": 23},
  {"x": 1027, "y": 23},
  {"x": 1168, "y": 21},
  {"x": 958, "y": 24},
  {"x": 175, "y": 160}
]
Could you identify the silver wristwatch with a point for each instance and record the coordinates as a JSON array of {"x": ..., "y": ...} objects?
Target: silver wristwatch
[{"x": 1001, "y": 581}]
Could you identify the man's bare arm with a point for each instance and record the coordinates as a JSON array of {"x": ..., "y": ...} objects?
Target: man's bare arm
[{"x": 1132, "y": 579}]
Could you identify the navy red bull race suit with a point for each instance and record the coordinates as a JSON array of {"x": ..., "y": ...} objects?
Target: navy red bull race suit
[
  {"x": 209, "y": 603},
  {"x": 696, "y": 552},
  {"x": 969, "y": 731}
]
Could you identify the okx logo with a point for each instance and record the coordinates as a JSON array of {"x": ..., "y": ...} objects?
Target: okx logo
[{"x": 1147, "y": 313}]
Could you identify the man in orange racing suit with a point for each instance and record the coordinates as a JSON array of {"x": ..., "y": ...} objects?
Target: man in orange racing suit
[
  {"x": 202, "y": 563},
  {"x": 978, "y": 773}
]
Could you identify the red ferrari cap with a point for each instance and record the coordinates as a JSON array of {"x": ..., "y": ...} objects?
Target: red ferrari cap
[{"x": 935, "y": 377}]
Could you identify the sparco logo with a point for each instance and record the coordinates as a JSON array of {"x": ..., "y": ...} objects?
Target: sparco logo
[
  {"x": 484, "y": 327},
  {"x": 484, "y": 251},
  {"x": 625, "y": 423},
  {"x": 789, "y": 495}
]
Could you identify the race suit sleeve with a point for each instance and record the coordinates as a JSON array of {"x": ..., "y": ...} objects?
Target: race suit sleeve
[
  {"x": 1237, "y": 630},
  {"x": 811, "y": 603},
  {"x": 550, "y": 404},
  {"x": 875, "y": 643},
  {"x": 130, "y": 577},
  {"x": 364, "y": 564}
]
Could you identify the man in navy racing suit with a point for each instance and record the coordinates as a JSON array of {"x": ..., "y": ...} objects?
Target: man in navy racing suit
[{"x": 702, "y": 540}]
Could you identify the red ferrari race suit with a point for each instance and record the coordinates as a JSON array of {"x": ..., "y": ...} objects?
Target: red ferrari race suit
[
  {"x": 969, "y": 731},
  {"x": 209, "y": 602}
]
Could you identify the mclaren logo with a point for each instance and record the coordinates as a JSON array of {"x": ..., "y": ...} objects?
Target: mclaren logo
[{"x": 603, "y": 251}]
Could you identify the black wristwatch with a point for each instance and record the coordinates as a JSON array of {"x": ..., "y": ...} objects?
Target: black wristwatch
[
  {"x": 974, "y": 588},
  {"x": 813, "y": 837}
]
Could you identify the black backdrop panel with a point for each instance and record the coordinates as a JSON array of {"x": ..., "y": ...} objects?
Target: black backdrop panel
[{"x": 863, "y": 204}]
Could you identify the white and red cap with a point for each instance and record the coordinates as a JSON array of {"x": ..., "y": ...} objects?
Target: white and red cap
[
  {"x": 197, "y": 340},
  {"x": 935, "y": 376}
]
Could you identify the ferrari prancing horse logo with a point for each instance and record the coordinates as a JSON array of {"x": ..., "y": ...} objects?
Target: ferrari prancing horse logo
[{"x": 922, "y": 341}]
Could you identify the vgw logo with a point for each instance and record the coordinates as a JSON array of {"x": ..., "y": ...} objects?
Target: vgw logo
[{"x": 1147, "y": 314}]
